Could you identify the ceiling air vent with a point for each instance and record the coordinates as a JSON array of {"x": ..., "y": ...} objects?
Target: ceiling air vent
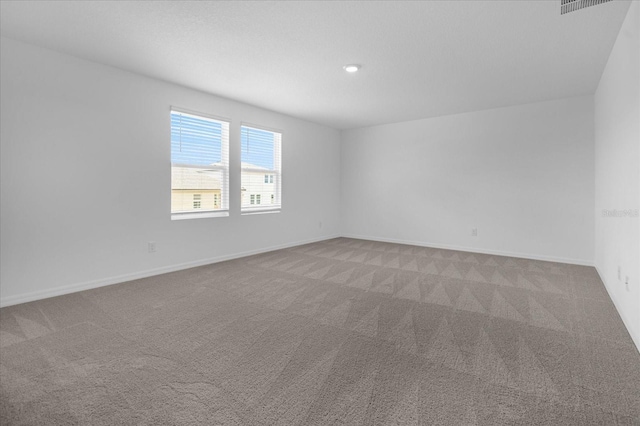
[{"x": 567, "y": 6}]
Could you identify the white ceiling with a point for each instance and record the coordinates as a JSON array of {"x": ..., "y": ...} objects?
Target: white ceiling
[{"x": 419, "y": 59}]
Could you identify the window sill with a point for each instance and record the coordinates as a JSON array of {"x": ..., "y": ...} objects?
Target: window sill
[
  {"x": 265, "y": 211},
  {"x": 199, "y": 215}
]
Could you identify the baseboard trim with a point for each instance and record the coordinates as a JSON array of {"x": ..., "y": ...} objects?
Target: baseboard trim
[
  {"x": 88, "y": 285},
  {"x": 473, "y": 250},
  {"x": 627, "y": 323}
]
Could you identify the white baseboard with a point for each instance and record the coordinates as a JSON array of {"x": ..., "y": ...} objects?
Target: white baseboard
[
  {"x": 627, "y": 323},
  {"x": 73, "y": 288},
  {"x": 474, "y": 250}
]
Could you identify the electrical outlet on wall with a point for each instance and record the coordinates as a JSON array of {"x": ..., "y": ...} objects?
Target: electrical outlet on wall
[
  {"x": 474, "y": 232},
  {"x": 626, "y": 282},
  {"x": 151, "y": 246}
]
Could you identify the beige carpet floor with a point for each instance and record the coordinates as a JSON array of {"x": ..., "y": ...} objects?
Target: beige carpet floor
[{"x": 341, "y": 332}]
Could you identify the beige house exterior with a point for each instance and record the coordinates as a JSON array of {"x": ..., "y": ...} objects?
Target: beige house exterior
[
  {"x": 199, "y": 188},
  {"x": 259, "y": 187},
  {"x": 195, "y": 189}
]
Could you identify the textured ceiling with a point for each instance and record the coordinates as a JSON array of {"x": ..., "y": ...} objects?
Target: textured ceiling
[{"x": 419, "y": 59}]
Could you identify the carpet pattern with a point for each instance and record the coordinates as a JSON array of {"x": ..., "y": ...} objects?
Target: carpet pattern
[{"x": 340, "y": 332}]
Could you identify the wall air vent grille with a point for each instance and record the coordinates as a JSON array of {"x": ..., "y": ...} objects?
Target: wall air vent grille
[{"x": 567, "y": 6}]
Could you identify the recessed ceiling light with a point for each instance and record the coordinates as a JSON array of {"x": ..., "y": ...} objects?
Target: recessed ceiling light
[{"x": 351, "y": 68}]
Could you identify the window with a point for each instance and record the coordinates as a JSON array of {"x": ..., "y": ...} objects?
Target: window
[
  {"x": 199, "y": 165},
  {"x": 261, "y": 168}
]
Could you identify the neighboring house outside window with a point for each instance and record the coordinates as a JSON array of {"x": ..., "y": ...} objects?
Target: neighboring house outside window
[
  {"x": 261, "y": 169},
  {"x": 199, "y": 164}
]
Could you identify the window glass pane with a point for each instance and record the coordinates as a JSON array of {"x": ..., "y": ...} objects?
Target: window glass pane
[
  {"x": 195, "y": 140},
  {"x": 199, "y": 163},
  {"x": 261, "y": 168},
  {"x": 257, "y": 147}
]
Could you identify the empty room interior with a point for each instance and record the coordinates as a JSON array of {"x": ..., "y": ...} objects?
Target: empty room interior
[{"x": 320, "y": 212}]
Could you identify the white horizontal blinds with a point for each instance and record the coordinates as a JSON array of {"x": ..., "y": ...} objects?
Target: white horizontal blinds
[
  {"x": 199, "y": 163},
  {"x": 261, "y": 161}
]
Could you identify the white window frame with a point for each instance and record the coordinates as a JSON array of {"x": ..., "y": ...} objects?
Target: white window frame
[
  {"x": 276, "y": 173},
  {"x": 223, "y": 211}
]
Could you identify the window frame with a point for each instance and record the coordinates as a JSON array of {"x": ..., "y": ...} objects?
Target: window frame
[
  {"x": 275, "y": 174},
  {"x": 224, "y": 196}
]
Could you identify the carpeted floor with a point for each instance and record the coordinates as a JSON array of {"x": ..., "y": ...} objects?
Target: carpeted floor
[{"x": 342, "y": 332}]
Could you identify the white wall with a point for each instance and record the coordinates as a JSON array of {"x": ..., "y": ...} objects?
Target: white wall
[
  {"x": 523, "y": 176},
  {"x": 617, "y": 159},
  {"x": 85, "y": 177}
]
